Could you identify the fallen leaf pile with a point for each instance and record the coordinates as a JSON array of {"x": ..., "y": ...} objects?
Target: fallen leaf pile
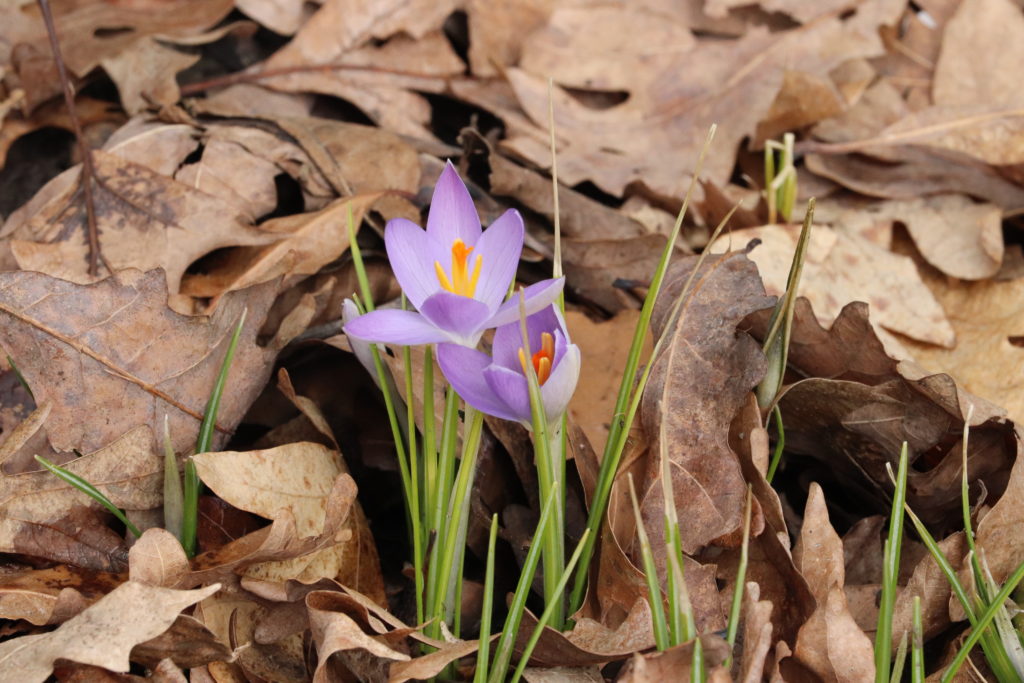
[{"x": 231, "y": 142}]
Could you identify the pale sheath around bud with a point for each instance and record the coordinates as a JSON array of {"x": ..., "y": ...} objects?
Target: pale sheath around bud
[
  {"x": 498, "y": 386},
  {"x": 455, "y": 274}
]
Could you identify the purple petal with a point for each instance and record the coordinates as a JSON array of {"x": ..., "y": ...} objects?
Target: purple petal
[
  {"x": 508, "y": 339},
  {"x": 538, "y": 296},
  {"x": 561, "y": 384},
  {"x": 464, "y": 369},
  {"x": 452, "y": 213},
  {"x": 411, "y": 255},
  {"x": 510, "y": 387},
  {"x": 461, "y": 317},
  {"x": 394, "y": 327},
  {"x": 500, "y": 247}
]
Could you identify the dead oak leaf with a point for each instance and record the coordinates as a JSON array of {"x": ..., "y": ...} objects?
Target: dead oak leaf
[
  {"x": 732, "y": 83},
  {"x": 840, "y": 268},
  {"x": 145, "y": 220},
  {"x": 112, "y": 356},
  {"x": 103, "y": 635},
  {"x": 698, "y": 383},
  {"x": 988, "y": 317}
]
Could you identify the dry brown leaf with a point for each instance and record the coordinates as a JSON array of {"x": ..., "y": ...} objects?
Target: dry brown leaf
[
  {"x": 604, "y": 345},
  {"x": 86, "y": 37},
  {"x": 335, "y": 632},
  {"x": 732, "y": 83},
  {"x": 676, "y": 663},
  {"x": 336, "y": 35},
  {"x": 43, "y": 516},
  {"x": 697, "y": 384},
  {"x": 840, "y": 268},
  {"x": 187, "y": 643},
  {"x": 283, "y": 17},
  {"x": 157, "y": 559},
  {"x": 115, "y": 348},
  {"x": 960, "y": 237},
  {"x": 51, "y": 596},
  {"x": 307, "y": 242},
  {"x": 563, "y": 674},
  {"x": 982, "y": 42},
  {"x": 998, "y": 534},
  {"x": 589, "y": 642},
  {"x": 987, "y": 317},
  {"x": 102, "y": 635},
  {"x": 757, "y": 635},
  {"x": 146, "y": 220},
  {"x": 830, "y": 643},
  {"x": 294, "y": 478}
]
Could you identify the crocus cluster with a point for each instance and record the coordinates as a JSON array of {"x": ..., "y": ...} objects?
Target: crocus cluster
[{"x": 457, "y": 276}]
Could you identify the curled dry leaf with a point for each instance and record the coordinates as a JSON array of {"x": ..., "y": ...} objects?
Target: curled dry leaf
[
  {"x": 697, "y": 384},
  {"x": 335, "y": 632},
  {"x": 676, "y": 663},
  {"x": 115, "y": 348},
  {"x": 589, "y": 642},
  {"x": 757, "y": 635},
  {"x": 830, "y": 644},
  {"x": 103, "y": 635},
  {"x": 279, "y": 541},
  {"x": 999, "y": 539},
  {"x": 157, "y": 559},
  {"x": 51, "y": 596},
  {"x": 297, "y": 479}
]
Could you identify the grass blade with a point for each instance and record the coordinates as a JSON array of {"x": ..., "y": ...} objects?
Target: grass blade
[
  {"x": 89, "y": 490},
  {"x": 487, "y": 611},
  {"x": 503, "y": 653},
  {"x": 190, "y": 509},
  {"x": 545, "y": 617},
  {"x": 654, "y": 597},
  {"x": 890, "y": 574},
  {"x": 174, "y": 499}
]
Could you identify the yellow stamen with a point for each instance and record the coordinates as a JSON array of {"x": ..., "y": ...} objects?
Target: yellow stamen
[
  {"x": 542, "y": 359},
  {"x": 461, "y": 282}
]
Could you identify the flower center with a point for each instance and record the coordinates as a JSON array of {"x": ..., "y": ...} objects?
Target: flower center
[
  {"x": 542, "y": 359},
  {"x": 461, "y": 282}
]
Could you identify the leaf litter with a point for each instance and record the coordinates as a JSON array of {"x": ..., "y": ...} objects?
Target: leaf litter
[{"x": 232, "y": 141}]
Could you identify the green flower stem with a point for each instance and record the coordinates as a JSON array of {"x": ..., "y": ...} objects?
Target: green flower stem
[
  {"x": 552, "y": 537},
  {"x": 451, "y": 554},
  {"x": 89, "y": 490},
  {"x": 407, "y": 466}
]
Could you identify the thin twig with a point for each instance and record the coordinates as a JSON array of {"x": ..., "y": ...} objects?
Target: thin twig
[{"x": 88, "y": 173}]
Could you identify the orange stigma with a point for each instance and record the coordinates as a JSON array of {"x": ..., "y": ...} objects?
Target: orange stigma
[
  {"x": 461, "y": 282},
  {"x": 542, "y": 359}
]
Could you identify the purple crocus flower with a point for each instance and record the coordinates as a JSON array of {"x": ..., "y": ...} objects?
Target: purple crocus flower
[
  {"x": 498, "y": 386},
  {"x": 455, "y": 274}
]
